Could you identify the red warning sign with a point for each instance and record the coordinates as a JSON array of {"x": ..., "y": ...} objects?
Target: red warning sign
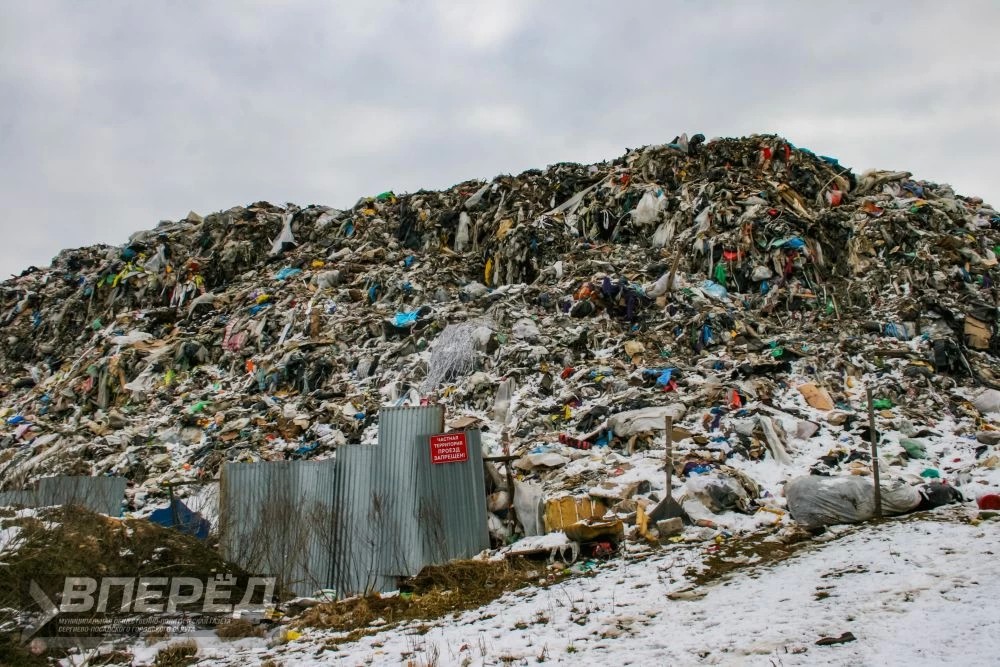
[{"x": 449, "y": 448}]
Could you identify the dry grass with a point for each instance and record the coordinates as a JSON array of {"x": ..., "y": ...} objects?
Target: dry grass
[
  {"x": 439, "y": 590},
  {"x": 239, "y": 629},
  {"x": 180, "y": 654},
  {"x": 71, "y": 541}
]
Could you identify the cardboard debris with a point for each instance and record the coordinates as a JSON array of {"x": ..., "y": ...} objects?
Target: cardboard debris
[{"x": 817, "y": 397}]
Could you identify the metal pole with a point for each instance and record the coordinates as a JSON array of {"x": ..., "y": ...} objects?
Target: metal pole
[
  {"x": 668, "y": 455},
  {"x": 871, "y": 434},
  {"x": 512, "y": 519},
  {"x": 173, "y": 507}
]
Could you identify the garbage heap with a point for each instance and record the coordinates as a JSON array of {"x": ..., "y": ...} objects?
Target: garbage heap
[{"x": 748, "y": 288}]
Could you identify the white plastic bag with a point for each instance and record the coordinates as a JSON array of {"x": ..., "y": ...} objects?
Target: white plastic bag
[
  {"x": 462, "y": 235},
  {"x": 528, "y": 505},
  {"x": 285, "y": 236},
  {"x": 501, "y": 406},
  {"x": 157, "y": 262},
  {"x": 647, "y": 210},
  {"x": 477, "y": 196}
]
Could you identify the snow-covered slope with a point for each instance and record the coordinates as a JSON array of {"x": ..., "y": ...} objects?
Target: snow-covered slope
[{"x": 913, "y": 592}]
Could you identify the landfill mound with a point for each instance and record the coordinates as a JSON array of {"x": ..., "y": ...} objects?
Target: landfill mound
[{"x": 748, "y": 288}]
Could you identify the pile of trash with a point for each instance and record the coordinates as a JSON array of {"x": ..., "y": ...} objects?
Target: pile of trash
[{"x": 749, "y": 289}]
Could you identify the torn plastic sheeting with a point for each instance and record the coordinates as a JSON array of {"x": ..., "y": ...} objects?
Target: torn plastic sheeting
[
  {"x": 793, "y": 243},
  {"x": 528, "y": 504},
  {"x": 629, "y": 423},
  {"x": 774, "y": 443},
  {"x": 898, "y": 331},
  {"x": 477, "y": 196},
  {"x": 287, "y": 272},
  {"x": 285, "y": 236}
]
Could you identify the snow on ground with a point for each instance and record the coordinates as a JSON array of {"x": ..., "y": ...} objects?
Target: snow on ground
[{"x": 916, "y": 592}]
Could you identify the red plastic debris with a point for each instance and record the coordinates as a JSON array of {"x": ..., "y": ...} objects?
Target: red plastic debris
[{"x": 991, "y": 501}]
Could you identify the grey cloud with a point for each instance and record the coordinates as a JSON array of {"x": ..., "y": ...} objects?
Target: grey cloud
[{"x": 117, "y": 115}]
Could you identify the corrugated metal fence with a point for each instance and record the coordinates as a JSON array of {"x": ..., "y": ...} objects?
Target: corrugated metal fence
[
  {"x": 356, "y": 523},
  {"x": 100, "y": 494}
]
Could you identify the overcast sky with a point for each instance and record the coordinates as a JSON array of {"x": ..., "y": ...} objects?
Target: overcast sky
[{"x": 116, "y": 115}]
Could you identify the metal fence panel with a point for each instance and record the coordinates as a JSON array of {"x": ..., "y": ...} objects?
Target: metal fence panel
[
  {"x": 453, "y": 504},
  {"x": 98, "y": 494},
  {"x": 274, "y": 520},
  {"x": 26, "y": 498},
  {"x": 357, "y": 522},
  {"x": 358, "y": 519},
  {"x": 399, "y": 483}
]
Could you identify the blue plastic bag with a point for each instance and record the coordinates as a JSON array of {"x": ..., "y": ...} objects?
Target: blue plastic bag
[{"x": 404, "y": 319}]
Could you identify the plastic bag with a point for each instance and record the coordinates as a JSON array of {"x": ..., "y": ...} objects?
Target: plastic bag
[
  {"x": 462, "y": 235},
  {"x": 647, "y": 210},
  {"x": 822, "y": 501},
  {"x": 476, "y": 196},
  {"x": 658, "y": 288},
  {"x": 714, "y": 290},
  {"x": 525, "y": 329},
  {"x": 529, "y": 507},
  {"x": 718, "y": 493},
  {"x": 285, "y": 236},
  {"x": 157, "y": 262},
  {"x": 663, "y": 234},
  {"x": 404, "y": 319},
  {"x": 501, "y": 405}
]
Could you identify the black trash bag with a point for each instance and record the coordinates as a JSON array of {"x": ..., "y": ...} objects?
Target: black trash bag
[{"x": 937, "y": 494}]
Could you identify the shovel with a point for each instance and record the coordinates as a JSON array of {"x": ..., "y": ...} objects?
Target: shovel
[{"x": 668, "y": 508}]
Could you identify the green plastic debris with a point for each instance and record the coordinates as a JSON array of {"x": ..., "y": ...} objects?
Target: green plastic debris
[
  {"x": 96, "y": 324},
  {"x": 829, "y": 307},
  {"x": 198, "y": 407},
  {"x": 388, "y": 195},
  {"x": 168, "y": 377},
  {"x": 721, "y": 274},
  {"x": 915, "y": 448},
  {"x": 930, "y": 473},
  {"x": 882, "y": 404}
]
